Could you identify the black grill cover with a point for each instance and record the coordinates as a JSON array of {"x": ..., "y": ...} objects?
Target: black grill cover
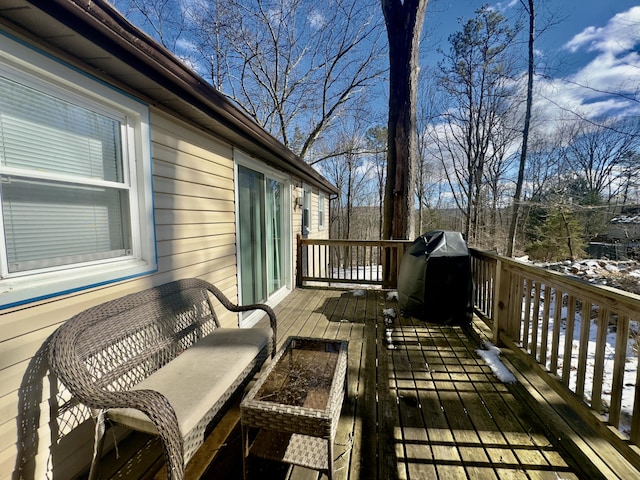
[{"x": 434, "y": 282}]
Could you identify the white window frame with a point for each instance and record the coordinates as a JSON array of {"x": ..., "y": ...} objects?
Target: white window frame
[
  {"x": 25, "y": 65},
  {"x": 307, "y": 203},
  {"x": 321, "y": 211}
]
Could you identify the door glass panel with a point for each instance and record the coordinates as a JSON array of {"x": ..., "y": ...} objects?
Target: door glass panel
[
  {"x": 251, "y": 235},
  {"x": 262, "y": 217},
  {"x": 275, "y": 237}
]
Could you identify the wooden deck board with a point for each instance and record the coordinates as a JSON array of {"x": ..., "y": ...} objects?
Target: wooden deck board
[{"x": 427, "y": 408}]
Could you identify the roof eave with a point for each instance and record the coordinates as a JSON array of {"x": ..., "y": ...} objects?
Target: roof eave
[{"x": 104, "y": 25}]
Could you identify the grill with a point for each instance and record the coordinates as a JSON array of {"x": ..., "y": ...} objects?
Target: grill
[{"x": 434, "y": 282}]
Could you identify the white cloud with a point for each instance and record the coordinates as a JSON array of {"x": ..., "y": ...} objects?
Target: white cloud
[
  {"x": 614, "y": 68},
  {"x": 620, "y": 34},
  {"x": 317, "y": 20},
  {"x": 558, "y": 102},
  {"x": 502, "y": 6},
  {"x": 608, "y": 72}
]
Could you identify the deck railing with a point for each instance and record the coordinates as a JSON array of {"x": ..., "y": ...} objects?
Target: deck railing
[
  {"x": 355, "y": 262},
  {"x": 583, "y": 338}
]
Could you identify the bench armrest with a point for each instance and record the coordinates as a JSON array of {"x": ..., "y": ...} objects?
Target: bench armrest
[
  {"x": 65, "y": 364},
  {"x": 162, "y": 415},
  {"x": 244, "y": 308}
]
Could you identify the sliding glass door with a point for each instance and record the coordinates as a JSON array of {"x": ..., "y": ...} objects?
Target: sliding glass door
[
  {"x": 262, "y": 234},
  {"x": 275, "y": 235}
]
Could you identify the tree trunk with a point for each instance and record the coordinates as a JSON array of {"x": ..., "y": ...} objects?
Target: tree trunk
[
  {"x": 404, "y": 26},
  {"x": 525, "y": 136}
]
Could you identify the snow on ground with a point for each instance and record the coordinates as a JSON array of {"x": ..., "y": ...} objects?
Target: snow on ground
[
  {"x": 623, "y": 275},
  {"x": 490, "y": 354},
  {"x": 389, "y": 312}
]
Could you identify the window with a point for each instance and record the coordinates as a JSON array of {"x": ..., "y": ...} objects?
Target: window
[
  {"x": 320, "y": 212},
  {"x": 306, "y": 211},
  {"x": 75, "y": 181}
]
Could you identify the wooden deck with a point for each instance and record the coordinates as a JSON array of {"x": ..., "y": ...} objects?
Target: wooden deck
[{"x": 428, "y": 408}]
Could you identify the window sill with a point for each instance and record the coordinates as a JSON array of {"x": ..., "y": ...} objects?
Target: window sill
[{"x": 32, "y": 288}]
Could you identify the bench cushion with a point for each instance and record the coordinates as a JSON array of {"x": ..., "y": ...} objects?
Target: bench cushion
[{"x": 198, "y": 377}]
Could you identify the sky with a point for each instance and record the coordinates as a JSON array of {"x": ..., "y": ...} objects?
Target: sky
[
  {"x": 592, "y": 43},
  {"x": 587, "y": 48}
]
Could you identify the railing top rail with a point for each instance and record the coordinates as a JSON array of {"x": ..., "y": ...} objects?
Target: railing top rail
[
  {"x": 377, "y": 243},
  {"x": 617, "y": 299}
]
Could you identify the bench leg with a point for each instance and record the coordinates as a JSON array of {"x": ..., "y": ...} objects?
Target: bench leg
[
  {"x": 98, "y": 444},
  {"x": 330, "y": 458},
  {"x": 245, "y": 449}
]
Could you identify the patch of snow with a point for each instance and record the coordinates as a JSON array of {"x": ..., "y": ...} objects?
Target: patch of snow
[
  {"x": 392, "y": 296},
  {"x": 490, "y": 353},
  {"x": 358, "y": 293},
  {"x": 610, "y": 267},
  {"x": 389, "y": 312}
]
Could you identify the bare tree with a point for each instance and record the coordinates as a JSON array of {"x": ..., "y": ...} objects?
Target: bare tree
[
  {"x": 294, "y": 66},
  {"x": 475, "y": 74},
  {"x": 162, "y": 19},
  {"x": 530, "y": 9},
  {"x": 495, "y": 174},
  {"x": 350, "y": 173},
  {"x": 377, "y": 145},
  {"x": 598, "y": 153},
  {"x": 426, "y": 181},
  {"x": 630, "y": 179}
]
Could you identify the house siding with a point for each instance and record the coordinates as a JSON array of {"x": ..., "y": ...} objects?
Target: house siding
[
  {"x": 315, "y": 232},
  {"x": 194, "y": 206},
  {"x": 195, "y": 231}
]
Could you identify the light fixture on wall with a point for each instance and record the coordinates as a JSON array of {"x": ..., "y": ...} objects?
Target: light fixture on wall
[{"x": 297, "y": 203}]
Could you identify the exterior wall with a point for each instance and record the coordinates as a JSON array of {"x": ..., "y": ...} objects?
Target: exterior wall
[
  {"x": 315, "y": 230},
  {"x": 195, "y": 230},
  {"x": 296, "y": 222},
  {"x": 194, "y": 207}
]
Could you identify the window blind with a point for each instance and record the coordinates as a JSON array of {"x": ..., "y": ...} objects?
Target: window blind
[
  {"x": 44, "y": 133},
  {"x": 48, "y": 223}
]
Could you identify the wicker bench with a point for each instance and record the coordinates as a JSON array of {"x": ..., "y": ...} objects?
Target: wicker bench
[{"x": 158, "y": 361}]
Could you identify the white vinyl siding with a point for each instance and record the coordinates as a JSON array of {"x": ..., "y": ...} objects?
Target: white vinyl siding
[{"x": 194, "y": 207}]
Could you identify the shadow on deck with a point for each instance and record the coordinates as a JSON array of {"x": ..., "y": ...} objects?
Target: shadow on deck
[{"x": 423, "y": 406}]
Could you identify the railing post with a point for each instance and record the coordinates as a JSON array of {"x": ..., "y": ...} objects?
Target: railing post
[
  {"x": 386, "y": 267},
  {"x": 298, "y": 260},
  {"x": 396, "y": 268},
  {"x": 501, "y": 303}
]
